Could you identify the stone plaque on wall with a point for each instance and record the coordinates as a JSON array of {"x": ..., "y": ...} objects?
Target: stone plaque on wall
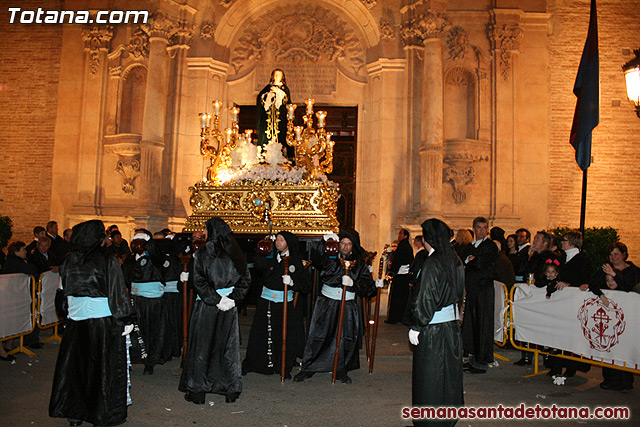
[{"x": 305, "y": 80}]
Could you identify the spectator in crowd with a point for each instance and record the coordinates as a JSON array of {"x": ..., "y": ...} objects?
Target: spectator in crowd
[
  {"x": 480, "y": 272},
  {"x": 551, "y": 270},
  {"x": 539, "y": 253},
  {"x": 56, "y": 240},
  {"x": 43, "y": 257},
  {"x": 461, "y": 243},
  {"x": 504, "y": 268},
  {"x": 119, "y": 246},
  {"x": 497, "y": 235},
  {"x": 17, "y": 260},
  {"x": 38, "y": 232},
  {"x": 511, "y": 250},
  {"x": 523, "y": 239},
  {"x": 621, "y": 275},
  {"x": 65, "y": 245}
]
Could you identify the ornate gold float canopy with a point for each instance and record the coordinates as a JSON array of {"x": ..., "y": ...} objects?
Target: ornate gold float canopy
[{"x": 265, "y": 198}]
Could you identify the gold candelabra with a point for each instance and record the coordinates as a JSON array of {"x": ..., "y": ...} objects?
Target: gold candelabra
[
  {"x": 216, "y": 144},
  {"x": 313, "y": 148}
]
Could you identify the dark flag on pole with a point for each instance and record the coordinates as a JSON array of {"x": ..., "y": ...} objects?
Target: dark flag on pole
[{"x": 587, "y": 90}]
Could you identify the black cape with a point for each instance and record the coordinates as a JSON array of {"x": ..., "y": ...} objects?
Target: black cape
[
  {"x": 90, "y": 380},
  {"x": 212, "y": 362},
  {"x": 399, "y": 294}
]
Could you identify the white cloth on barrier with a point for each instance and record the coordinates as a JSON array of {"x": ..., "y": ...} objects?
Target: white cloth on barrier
[
  {"x": 499, "y": 311},
  {"x": 15, "y": 304},
  {"x": 50, "y": 282},
  {"x": 577, "y": 321}
]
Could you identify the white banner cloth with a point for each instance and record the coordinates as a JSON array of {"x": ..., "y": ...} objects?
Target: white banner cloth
[
  {"x": 577, "y": 321},
  {"x": 49, "y": 281},
  {"x": 498, "y": 312},
  {"x": 15, "y": 304}
]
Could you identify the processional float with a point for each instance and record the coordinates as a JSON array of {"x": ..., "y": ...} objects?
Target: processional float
[{"x": 256, "y": 191}]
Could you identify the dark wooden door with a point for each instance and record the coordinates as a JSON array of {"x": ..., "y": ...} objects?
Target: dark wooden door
[{"x": 342, "y": 122}]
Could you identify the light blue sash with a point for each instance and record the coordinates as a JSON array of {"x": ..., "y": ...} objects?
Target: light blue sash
[
  {"x": 171, "y": 286},
  {"x": 336, "y": 293},
  {"x": 276, "y": 296},
  {"x": 83, "y": 308},
  {"x": 147, "y": 289},
  {"x": 445, "y": 314},
  {"x": 223, "y": 292}
]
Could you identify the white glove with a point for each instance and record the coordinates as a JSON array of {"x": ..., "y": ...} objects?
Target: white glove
[
  {"x": 286, "y": 279},
  {"x": 413, "y": 336},
  {"x": 347, "y": 281},
  {"x": 184, "y": 276},
  {"x": 371, "y": 269},
  {"x": 380, "y": 283},
  {"x": 226, "y": 304},
  {"x": 127, "y": 330},
  {"x": 332, "y": 236}
]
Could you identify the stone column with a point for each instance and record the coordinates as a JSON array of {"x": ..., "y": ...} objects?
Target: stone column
[
  {"x": 155, "y": 108},
  {"x": 96, "y": 45},
  {"x": 432, "y": 25}
]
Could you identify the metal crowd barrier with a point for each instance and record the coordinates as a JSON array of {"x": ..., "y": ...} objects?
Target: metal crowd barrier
[
  {"x": 40, "y": 310},
  {"x": 539, "y": 349}
]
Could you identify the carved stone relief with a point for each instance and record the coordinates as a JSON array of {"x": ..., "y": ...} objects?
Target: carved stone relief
[
  {"x": 369, "y": 3},
  {"x": 429, "y": 25},
  {"x": 207, "y": 28},
  {"x": 138, "y": 45},
  {"x": 225, "y": 3},
  {"x": 129, "y": 169},
  {"x": 160, "y": 25},
  {"x": 386, "y": 31},
  {"x": 96, "y": 39},
  {"x": 505, "y": 40},
  {"x": 309, "y": 35},
  {"x": 459, "y": 178},
  {"x": 457, "y": 42}
]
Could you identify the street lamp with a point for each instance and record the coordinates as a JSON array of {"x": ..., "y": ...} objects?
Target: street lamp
[{"x": 632, "y": 78}]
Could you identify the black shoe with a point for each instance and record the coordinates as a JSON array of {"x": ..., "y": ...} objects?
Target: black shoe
[
  {"x": 523, "y": 362},
  {"x": 231, "y": 397},
  {"x": 554, "y": 373},
  {"x": 148, "y": 370},
  {"x": 569, "y": 372},
  {"x": 473, "y": 370},
  {"x": 35, "y": 346},
  {"x": 302, "y": 375},
  {"x": 607, "y": 386},
  {"x": 9, "y": 358},
  {"x": 197, "y": 398},
  {"x": 74, "y": 423},
  {"x": 344, "y": 378},
  {"x": 466, "y": 366}
]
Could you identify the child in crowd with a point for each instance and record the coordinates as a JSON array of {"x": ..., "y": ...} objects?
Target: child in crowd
[{"x": 551, "y": 270}]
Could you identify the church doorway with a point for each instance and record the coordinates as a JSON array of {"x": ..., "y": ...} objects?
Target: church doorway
[{"x": 342, "y": 122}]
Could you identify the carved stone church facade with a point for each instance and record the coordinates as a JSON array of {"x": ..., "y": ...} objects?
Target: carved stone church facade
[{"x": 464, "y": 107}]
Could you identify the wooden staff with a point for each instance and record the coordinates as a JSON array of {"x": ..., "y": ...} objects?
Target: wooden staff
[
  {"x": 184, "y": 259},
  {"x": 347, "y": 265},
  {"x": 368, "y": 258},
  {"x": 376, "y": 316},
  {"x": 285, "y": 303}
]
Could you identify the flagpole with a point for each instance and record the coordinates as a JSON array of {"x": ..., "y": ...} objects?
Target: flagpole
[{"x": 583, "y": 205}]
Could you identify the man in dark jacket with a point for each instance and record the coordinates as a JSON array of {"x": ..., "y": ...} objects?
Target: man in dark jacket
[
  {"x": 480, "y": 272},
  {"x": 16, "y": 261},
  {"x": 402, "y": 259}
]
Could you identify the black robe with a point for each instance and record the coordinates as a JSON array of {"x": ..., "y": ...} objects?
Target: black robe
[
  {"x": 273, "y": 120},
  {"x": 437, "y": 359},
  {"x": 264, "y": 349},
  {"x": 399, "y": 294},
  {"x": 170, "y": 269},
  {"x": 414, "y": 281},
  {"x": 321, "y": 342},
  {"x": 90, "y": 380},
  {"x": 477, "y": 325},
  {"x": 152, "y": 313},
  {"x": 212, "y": 362}
]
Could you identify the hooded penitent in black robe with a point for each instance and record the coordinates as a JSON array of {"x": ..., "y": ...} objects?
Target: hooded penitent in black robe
[
  {"x": 170, "y": 269},
  {"x": 437, "y": 359},
  {"x": 152, "y": 313},
  {"x": 90, "y": 380},
  {"x": 264, "y": 349},
  {"x": 477, "y": 326},
  {"x": 272, "y": 120},
  {"x": 402, "y": 258},
  {"x": 321, "y": 341},
  {"x": 212, "y": 362}
]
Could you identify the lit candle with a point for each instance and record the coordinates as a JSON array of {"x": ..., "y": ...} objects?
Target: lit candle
[
  {"x": 227, "y": 135},
  {"x": 321, "y": 116},
  {"x": 329, "y": 141},
  {"x": 291, "y": 108},
  {"x": 203, "y": 120},
  {"x": 248, "y": 133},
  {"x": 309, "y": 103},
  {"x": 217, "y": 105},
  {"x": 234, "y": 114},
  {"x": 298, "y": 131}
]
